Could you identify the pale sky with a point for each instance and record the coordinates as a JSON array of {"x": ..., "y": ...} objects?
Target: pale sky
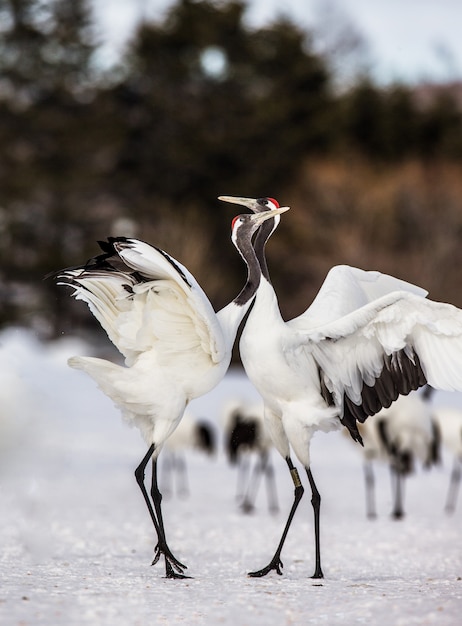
[{"x": 407, "y": 39}]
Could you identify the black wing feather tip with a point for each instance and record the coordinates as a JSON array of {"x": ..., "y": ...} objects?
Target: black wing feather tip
[
  {"x": 350, "y": 422},
  {"x": 109, "y": 260},
  {"x": 401, "y": 374},
  {"x": 106, "y": 261}
]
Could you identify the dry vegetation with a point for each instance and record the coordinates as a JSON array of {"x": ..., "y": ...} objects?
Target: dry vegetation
[{"x": 403, "y": 219}]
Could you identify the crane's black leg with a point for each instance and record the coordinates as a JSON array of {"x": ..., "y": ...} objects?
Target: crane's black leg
[
  {"x": 369, "y": 482},
  {"x": 173, "y": 567},
  {"x": 453, "y": 487},
  {"x": 316, "y": 502},
  {"x": 161, "y": 547},
  {"x": 276, "y": 562}
]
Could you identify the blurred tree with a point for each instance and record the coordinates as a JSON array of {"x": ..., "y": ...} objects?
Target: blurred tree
[
  {"x": 363, "y": 119},
  {"x": 206, "y": 106},
  {"x": 441, "y": 128},
  {"x": 389, "y": 124},
  {"x": 203, "y": 105},
  {"x": 44, "y": 45},
  {"x": 400, "y": 124},
  {"x": 211, "y": 106},
  {"x": 45, "y": 71}
]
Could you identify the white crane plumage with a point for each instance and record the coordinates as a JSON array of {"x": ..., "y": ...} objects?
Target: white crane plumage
[
  {"x": 176, "y": 347},
  {"x": 366, "y": 338}
]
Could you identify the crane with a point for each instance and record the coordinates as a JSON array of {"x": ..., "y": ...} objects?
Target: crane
[
  {"x": 400, "y": 435},
  {"x": 245, "y": 436},
  {"x": 176, "y": 347},
  {"x": 366, "y": 339},
  {"x": 192, "y": 433},
  {"x": 448, "y": 423}
]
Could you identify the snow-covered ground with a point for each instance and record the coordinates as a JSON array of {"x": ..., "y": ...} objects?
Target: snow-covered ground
[{"x": 77, "y": 541}]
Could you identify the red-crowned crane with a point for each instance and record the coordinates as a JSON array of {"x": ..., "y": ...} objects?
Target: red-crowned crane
[
  {"x": 176, "y": 347},
  {"x": 192, "y": 433},
  {"x": 400, "y": 435},
  {"x": 366, "y": 338},
  {"x": 448, "y": 421},
  {"x": 245, "y": 436}
]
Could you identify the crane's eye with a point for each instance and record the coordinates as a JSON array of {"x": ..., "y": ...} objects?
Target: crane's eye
[{"x": 269, "y": 202}]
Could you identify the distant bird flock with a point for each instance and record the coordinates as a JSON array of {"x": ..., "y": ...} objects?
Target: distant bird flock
[{"x": 350, "y": 361}]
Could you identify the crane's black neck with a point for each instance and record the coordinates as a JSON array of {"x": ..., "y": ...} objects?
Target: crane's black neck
[
  {"x": 245, "y": 248},
  {"x": 262, "y": 236}
]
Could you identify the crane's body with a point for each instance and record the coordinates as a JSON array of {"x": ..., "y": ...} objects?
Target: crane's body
[
  {"x": 290, "y": 386},
  {"x": 366, "y": 339},
  {"x": 176, "y": 347}
]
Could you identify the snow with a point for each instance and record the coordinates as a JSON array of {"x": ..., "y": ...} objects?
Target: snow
[{"x": 77, "y": 541}]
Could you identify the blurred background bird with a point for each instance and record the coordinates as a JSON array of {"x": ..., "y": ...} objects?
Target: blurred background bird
[
  {"x": 193, "y": 434},
  {"x": 401, "y": 436},
  {"x": 248, "y": 447}
]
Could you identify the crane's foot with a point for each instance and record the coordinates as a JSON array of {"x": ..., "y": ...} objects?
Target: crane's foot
[
  {"x": 318, "y": 573},
  {"x": 174, "y": 568},
  {"x": 275, "y": 564},
  {"x": 171, "y": 573}
]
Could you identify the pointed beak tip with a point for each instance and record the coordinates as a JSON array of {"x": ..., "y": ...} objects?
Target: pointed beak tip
[
  {"x": 264, "y": 215},
  {"x": 229, "y": 198}
]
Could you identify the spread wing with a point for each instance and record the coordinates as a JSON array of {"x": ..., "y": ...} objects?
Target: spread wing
[
  {"x": 388, "y": 347},
  {"x": 346, "y": 289},
  {"x": 146, "y": 300}
]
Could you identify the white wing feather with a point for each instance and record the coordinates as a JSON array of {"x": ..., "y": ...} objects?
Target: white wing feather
[
  {"x": 346, "y": 289},
  {"x": 352, "y": 349},
  {"x": 168, "y": 313}
]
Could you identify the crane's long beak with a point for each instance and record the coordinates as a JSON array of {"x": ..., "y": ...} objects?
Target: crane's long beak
[
  {"x": 250, "y": 203},
  {"x": 254, "y": 204},
  {"x": 259, "y": 218}
]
